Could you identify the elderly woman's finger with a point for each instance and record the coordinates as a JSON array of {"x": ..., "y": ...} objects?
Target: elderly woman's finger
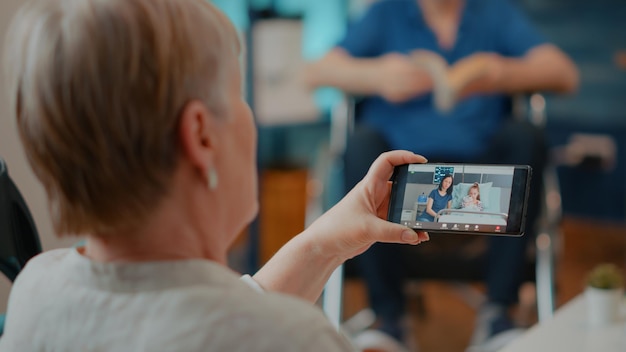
[{"x": 388, "y": 232}]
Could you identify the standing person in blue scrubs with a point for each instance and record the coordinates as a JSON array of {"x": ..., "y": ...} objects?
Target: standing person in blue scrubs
[
  {"x": 494, "y": 48},
  {"x": 439, "y": 198}
]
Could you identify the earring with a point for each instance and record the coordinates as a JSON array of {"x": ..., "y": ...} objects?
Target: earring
[{"x": 212, "y": 179}]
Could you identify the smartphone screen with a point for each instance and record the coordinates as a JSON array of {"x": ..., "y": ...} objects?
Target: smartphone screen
[{"x": 461, "y": 198}]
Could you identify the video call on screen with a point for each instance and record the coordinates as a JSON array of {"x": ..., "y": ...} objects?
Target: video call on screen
[{"x": 479, "y": 200}]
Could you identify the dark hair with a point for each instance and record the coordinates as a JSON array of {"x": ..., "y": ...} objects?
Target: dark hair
[{"x": 449, "y": 190}]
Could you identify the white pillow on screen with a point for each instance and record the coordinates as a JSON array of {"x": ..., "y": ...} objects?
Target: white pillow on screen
[{"x": 494, "y": 200}]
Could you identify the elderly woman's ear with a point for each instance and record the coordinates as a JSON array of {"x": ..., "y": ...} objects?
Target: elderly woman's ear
[{"x": 197, "y": 132}]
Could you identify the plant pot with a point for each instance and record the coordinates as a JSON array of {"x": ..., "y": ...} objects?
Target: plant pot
[{"x": 603, "y": 305}]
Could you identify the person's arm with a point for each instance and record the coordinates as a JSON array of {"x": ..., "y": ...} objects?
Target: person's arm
[
  {"x": 361, "y": 64},
  {"x": 521, "y": 61},
  {"x": 392, "y": 76},
  {"x": 305, "y": 263},
  {"x": 466, "y": 201},
  {"x": 543, "y": 68},
  {"x": 340, "y": 70},
  {"x": 449, "y": 205},
  {"x": 429, "y": 207}
]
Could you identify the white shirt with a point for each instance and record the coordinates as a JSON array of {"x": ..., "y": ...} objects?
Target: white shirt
[{"x": 62, "y": 301}]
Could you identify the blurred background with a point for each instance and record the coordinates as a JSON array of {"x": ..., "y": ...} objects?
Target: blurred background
[{"x": 586, "y": 132}]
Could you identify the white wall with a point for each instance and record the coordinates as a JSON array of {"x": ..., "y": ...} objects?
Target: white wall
[{"x": 11, "y": 151}]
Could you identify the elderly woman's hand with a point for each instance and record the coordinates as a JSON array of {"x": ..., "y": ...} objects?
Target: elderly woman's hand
[
  {"x": 359, "y": 219},
  {"x": 305, "y": 263}
]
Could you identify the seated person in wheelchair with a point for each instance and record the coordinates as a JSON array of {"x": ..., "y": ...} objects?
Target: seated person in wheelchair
[
  {"x": 484, "y": 51},
  {"x": 132, "y": 116},
  {"x": 439, "y": 198}
]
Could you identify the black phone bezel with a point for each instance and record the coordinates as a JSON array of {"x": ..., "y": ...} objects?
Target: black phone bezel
[{"x": 520, "y": 190}]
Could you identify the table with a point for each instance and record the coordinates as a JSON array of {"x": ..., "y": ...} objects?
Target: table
[{"x": 568, "y": 331}]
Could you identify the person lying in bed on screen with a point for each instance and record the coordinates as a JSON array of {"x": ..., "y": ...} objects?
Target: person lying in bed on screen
[
  {"x": 439, "y": 198},
  {"x": 472, "y": 200}
]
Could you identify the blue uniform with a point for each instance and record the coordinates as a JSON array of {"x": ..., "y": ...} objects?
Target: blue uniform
[
  {"x": 398, "y": 26},
  {"x": 439, "y": 202}
]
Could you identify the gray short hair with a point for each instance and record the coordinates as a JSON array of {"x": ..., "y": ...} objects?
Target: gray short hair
[{"x": 97, "y": 87}]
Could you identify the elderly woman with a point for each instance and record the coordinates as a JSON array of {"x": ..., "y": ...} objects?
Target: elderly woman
[{"x": 131, "y": 115}]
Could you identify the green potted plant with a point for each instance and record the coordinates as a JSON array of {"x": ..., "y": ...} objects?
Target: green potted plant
[{"x": 604, "y": 294}]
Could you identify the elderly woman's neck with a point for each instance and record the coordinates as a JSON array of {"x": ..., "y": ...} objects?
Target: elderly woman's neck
[{"x": 168, "y": 235}]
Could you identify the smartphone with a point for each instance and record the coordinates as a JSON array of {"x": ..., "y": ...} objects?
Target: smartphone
[{"x": 461, "y": 198}]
